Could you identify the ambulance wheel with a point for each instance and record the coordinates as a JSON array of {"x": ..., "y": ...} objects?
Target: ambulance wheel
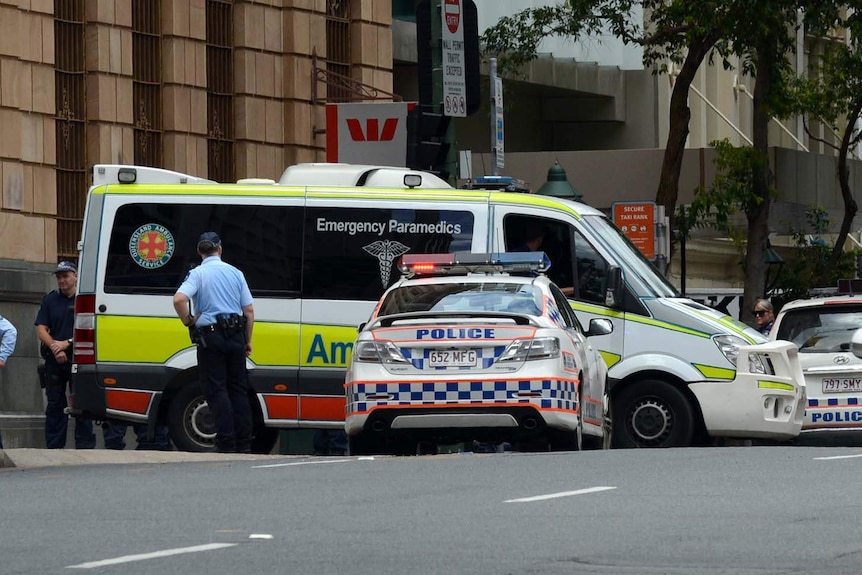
[
  {"x": 190, "y": 420},
  {"x": 652, "y": 413}
]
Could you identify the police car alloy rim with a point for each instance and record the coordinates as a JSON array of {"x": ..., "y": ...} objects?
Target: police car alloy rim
[{"x": 651, "y": 421}]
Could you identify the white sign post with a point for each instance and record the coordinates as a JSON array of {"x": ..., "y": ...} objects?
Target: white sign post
[
  {"x": 454, "y": 73},
  {"x": 498, "y": 123}
]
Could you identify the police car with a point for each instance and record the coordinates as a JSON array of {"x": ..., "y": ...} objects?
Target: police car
[
  {"x": 822, "y": 329},
  {"x": 478, "y": 347}
]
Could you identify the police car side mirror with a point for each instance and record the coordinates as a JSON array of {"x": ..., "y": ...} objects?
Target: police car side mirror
[
  {"x": 856, "y": 343},
  {"x": 614, "y": 289},
  {"x": 361, "y": 326},
  {"x": 600, "y": 326}
]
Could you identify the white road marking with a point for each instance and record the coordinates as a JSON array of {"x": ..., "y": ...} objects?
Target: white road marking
[
  {"x": 560, "y": 494},
  {"x": 838, "y": 457},
  {"x": 301, "y": 463},
  {"x": 153, "y": 555},
  {"x": 260, "y": 536}
]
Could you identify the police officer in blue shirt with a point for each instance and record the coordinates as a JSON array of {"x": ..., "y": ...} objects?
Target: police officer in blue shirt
[
  {"x": 55, "y": 325},
  {"x": 222, "y": 330},
  {"x": 8, "y": 339}
]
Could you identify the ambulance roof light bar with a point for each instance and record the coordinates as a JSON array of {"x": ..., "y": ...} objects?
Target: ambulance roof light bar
[
  {"x": 462, "y": 263},
  {"x": 121, "y": 174}
]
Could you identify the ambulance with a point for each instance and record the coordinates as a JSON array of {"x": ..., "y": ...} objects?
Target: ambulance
[{"x": 320, "y": 247}]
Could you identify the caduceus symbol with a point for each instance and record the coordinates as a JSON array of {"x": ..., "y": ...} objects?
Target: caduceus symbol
[{"x": 386, "y": 251}]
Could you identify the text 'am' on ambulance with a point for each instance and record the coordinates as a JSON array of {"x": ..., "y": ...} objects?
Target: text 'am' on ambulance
[{"x": 320, "y": 246}]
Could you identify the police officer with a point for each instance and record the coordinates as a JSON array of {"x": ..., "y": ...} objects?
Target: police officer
[
  {"x": 55, "y": 325},
  {"x": 222, "y": 330},
  {"x": 8, "y": 339}
]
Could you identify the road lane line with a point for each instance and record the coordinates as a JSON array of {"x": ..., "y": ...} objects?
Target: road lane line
[
  {"x": 300, "y": 463},
  {"x": 560, "y": 494},
  {"x": 153, "y": 555},
  {"x": 838, "y": 457}
]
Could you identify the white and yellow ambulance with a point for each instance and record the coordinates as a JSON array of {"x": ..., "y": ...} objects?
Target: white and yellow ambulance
[{"x": 319, "y": 248}]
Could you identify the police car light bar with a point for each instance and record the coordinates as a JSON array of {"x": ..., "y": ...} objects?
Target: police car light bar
[{"x": 413, "y": 265}]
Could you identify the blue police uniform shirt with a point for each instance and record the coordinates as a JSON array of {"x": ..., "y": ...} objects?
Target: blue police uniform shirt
[
  {"x": 215, "y": 287},
  {"x": 8, "y": 339},
  {"x": 58, "y": 314}
]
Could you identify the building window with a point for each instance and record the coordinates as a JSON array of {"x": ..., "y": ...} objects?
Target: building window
[
  {"x": 220, "y": 86},
  {"x": 338, "y": 48},
  {"x": 70, "y": 125},
  {"x": 146, "y": 82}
]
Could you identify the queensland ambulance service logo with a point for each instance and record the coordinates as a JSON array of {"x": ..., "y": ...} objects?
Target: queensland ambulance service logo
[
  {"x": 151, "y": 246},
  {"x": 386, "y": 251}
]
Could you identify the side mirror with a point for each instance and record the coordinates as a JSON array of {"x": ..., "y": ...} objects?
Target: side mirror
[
  {"x": 600, "y": 326},
  {"x": 361, "y": 326},
  {"x": 614, "y": 290},
  {"x": 856, "y": 343}
]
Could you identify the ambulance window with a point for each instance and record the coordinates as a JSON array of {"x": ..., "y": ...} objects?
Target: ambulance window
[
  {"x": 530, "y": 233},
  {"x": 153, "y": 246},
  {"x": 592, "y": 271},
  {"x": 352, "y": 253}
]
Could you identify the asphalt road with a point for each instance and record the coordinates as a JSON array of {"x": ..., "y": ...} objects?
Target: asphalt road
[{"x": 716, "y": 511}]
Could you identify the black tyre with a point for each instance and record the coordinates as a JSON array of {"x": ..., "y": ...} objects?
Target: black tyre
[
  {"x": 264, "y": 439},
  {"x": 652, "y": 413},
  {"x": 362, "y": 444},
  {"x": 190, "y": 420},
  {"x": 566, "y": 439}
]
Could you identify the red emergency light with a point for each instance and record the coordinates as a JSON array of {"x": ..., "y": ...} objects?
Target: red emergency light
[{"x": 412, "y": 265}]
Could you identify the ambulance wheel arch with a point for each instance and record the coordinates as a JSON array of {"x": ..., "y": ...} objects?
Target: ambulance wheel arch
[
  {"x": 190, "y": 421},
  {"x": 653, "y": 409}
]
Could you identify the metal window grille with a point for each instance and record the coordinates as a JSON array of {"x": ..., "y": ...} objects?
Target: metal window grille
[
  {"x": 70, "y": 124},
  {"x": 338, "y": 47},
  {"x": 146, "y": 82},
  {"x": 220, "y": 89}
]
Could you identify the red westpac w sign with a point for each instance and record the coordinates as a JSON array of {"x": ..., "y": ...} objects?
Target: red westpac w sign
[{"x": 367, "y": 133}]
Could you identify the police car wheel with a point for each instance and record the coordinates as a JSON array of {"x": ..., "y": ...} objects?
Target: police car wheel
[
  {"x": 362, "y": 444},
  {"x": 566, "y": 439},
  {"x": 652, "y": 413},
  {"x": 190, "y": 421}
]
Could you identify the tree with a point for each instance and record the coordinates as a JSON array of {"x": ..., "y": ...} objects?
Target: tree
[
  {"x": 680, "y": 31},
  {"x": 833, "y": 97}
]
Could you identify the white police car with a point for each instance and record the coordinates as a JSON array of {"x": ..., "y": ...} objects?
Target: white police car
[
  {"x": 822, "y": 328},
  {"x": 476, "y": 347}
]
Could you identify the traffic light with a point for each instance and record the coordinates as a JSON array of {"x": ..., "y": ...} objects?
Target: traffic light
[{"x": 427, "y": 148}]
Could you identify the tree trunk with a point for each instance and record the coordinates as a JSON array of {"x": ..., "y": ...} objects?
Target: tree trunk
[
  {"x": 679, "y": 117},
  {"x": 758, "y": 213},
  {"x": 850, "y": 207}
]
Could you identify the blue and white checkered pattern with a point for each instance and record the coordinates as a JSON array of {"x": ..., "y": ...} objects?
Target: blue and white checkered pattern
[
  {"x": 554, "y": 312},
  {"x": 555, "y": 393},
  {"x": 832, "y": 401},
  {"x": 485, "y": 357}
]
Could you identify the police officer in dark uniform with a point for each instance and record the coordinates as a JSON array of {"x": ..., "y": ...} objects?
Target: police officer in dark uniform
[
  {"x": 55, "y": 326},
  {"x": 222, "y": 329}
]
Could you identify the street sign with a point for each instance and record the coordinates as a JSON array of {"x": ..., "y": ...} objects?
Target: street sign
[
  {"x": 454, "y": 70},
  {"x": 637, "y": 221},
  {"x": 367, "y": 133},
  {"x": 498, "y": 123}
]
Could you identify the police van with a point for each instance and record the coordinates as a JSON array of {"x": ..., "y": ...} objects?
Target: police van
[{"x": 320, "y": 247}]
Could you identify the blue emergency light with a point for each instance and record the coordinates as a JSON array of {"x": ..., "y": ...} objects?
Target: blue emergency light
[
  {"x": 461, "y": 263},
  {"x": 505, "y": 183}
]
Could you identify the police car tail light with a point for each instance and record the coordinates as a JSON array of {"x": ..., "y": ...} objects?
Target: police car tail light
[
  {"x": 85, "y": 330},
  {"x": 378, "y": 352},
  {"x": 527, "y": 349},
  {"x": 413, "y": 265},
  {"x": 728, "y": 345}
]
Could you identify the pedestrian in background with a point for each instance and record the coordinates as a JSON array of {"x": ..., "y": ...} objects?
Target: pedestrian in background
[
  {"x": 115, "y": 436},
  {"x": 55, "y": 326},
  {"x": 8, "y": 338},
  {"x": 764, "y": 315},
  {"x": 222, "y": 329}
]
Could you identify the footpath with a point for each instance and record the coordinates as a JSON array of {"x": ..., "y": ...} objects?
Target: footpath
[{"x": 28, "y": 458}]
